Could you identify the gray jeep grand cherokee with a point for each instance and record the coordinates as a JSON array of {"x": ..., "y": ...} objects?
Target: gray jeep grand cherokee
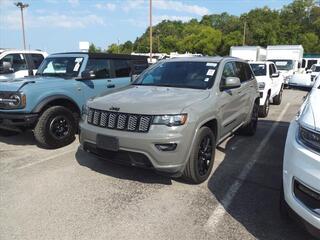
[{"x": 172, "y": 117}]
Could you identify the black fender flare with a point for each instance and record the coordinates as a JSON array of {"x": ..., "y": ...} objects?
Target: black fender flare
[{"x": 49, "y": 99}]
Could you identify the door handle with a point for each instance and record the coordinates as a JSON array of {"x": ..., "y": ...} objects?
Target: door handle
[{"x": 110, "y": 86}]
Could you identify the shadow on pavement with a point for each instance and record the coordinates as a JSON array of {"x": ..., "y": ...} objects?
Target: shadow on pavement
[
  {"x": 109, "y": 168},
  {"x": 19, "y": 139},
  {"x": 256, "y": 204}
]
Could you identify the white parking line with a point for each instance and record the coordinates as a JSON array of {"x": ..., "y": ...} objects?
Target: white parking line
[
  {"x": 43, "y": 160},
  {"x": 220, "y": 211}
]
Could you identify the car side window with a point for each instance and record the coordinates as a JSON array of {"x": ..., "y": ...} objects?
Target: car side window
[
  {"x": 121, "y": 67},
  {"x": 274, "y": 68},
  {"x": 17, "y": 61},
  {"x": 270, "y": 70},
  {"x": 100, "y": 67},
  {"x": 229, "y": 70},
  {"x": 241, "y": 72},
  {"x": 249, "y": 72},
  {"x": 36, "y": 59}
]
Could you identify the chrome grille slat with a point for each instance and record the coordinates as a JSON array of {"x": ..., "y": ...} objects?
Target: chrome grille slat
[{"x": 119, "y": 121}]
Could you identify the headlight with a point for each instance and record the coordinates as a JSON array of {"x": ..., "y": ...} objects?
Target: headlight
[
  {"x": 14, "y": 100},
  {"x": 170, "y": 120},
  {"x": 84, "y": 112},
  {"x": 310, "y": 138},
  {"x": 261, "y": 85}
]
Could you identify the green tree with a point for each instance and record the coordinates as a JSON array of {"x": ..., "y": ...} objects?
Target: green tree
[{"x": 93, "y": 48}]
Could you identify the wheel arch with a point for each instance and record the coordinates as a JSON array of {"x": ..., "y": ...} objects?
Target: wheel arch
[{"x": 57, "y": 100}]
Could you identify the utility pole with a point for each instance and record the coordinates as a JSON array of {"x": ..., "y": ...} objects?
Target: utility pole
[
  {"x": 244, "y": 33},
  {"x": 22, "y": 6},
  {"x": 150, "y": 17}
]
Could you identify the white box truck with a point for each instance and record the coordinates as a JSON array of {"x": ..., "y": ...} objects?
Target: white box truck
[
  {"x": 288, "y": 59},
  {"x": 249, "y": 53}
]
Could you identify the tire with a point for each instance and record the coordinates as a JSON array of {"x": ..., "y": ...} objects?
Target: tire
[
  {"x": 56, "y": 127},
  {"x": 278, "y": 99},
  {"x": 7, "y": 133},
  {"x": 264, "y": 110},
  {"x": 251, "y": 128},
  {"x": 201, "y": 159}
]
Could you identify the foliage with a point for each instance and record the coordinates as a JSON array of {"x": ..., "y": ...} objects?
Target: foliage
[{"x": 296, "y": 23}]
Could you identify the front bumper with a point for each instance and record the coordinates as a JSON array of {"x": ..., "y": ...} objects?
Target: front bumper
[
  {"x": 136, "y": 146},
  {"x": 14, "y": 121},
  {"x": 301, "y": 166}
]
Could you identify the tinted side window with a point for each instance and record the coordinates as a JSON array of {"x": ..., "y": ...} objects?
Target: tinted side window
[
  {"x": 241, "y": 71},
  {"x": 36, "y": 59},
  {"x": 274, "y": 68},
  {"x": 270, "y": 70},
  {"x": 249, "y": 72},
  {"x": 229, "y": 70},
  {"x": 17, "y": 61},
  {"x": 121, "y": 67},
  {"x": 100, "y": 67},
  {"x": 138, "y": 66}
]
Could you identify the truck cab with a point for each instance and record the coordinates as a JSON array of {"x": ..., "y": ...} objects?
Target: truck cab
[
  {"x": 51, "y": 102},
  {"x": 270, "y": 84},
  {"x": 19, "y": 63}
]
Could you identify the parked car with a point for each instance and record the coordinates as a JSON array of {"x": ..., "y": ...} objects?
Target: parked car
[
  {"x": 301, "y": 80},
  {"x": 173, "y": 116},
  {"x": 19, "y": 63},
  {"x": 301, "y": 165},
  {"x": 51, "y": 102},
  {"x": 270, "y": 84},
  {"x": 314, "y": 71}
]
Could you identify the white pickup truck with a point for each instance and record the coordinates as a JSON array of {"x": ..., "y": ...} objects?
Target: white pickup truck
[{"x": 270, "y": 84}]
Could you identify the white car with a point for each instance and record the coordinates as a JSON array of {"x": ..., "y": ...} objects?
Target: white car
[
  {"x": 301, "y": 165},
  {"x": 315, "y": 71},
  {"x": 19, "y": 63},
  {"x": 270, "y": 85}
]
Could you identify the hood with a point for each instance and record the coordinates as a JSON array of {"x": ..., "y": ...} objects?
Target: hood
[
  {"x": 311, "y": 112},
  {"x": 150, "y": 100},
  {"x": 15, "y": 84}
]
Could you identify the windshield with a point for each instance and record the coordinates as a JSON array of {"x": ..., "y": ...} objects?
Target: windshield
[
  {"x": 198, "y": 75},
  {"x": 283, "y": 64},
  {"x": 259, "y": 69},
  {"x": 66, "y": 67}
]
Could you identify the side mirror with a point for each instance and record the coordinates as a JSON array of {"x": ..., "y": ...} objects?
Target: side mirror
[
  {"x": 87, "y": 75},
  {"x": 275, "y": 75},
  {"x": 134, "y": 77},
  {"x": 7, "y": 67},
  {"x": 231, "y": 82}
]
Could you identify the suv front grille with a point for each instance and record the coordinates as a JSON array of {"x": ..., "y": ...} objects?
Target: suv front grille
[{"x": 119, "y": 121}]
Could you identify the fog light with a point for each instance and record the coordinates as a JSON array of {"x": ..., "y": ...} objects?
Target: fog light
[{"x": 166, "y": 147}]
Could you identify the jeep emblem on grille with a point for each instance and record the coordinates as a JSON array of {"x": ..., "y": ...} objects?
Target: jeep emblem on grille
[{"x": 114, "y": 109}]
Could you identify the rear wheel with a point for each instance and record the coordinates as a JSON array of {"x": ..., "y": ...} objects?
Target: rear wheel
[
  {"x": 264, "y": 110},
  {"x": 278, "y": 99},
  {"x": 56, "y": 127},
  {"x": 201, "y": 160},
  {"x": 251, "y": 128}
]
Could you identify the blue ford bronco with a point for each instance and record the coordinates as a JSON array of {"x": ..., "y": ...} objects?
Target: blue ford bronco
[{"x": 51, "y": 102}]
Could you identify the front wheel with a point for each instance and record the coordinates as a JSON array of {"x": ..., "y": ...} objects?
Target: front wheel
[
  {"x": 251, "y": 128},
  {"x": 201, "y": 159},
  {"x": 264, "y": 110},
  {"x": 278, "y": 99},
  {"x": 56, "y": 127}
]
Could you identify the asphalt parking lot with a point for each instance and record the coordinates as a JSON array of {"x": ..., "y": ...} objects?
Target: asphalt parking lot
[{"x": 68, "y": 194}]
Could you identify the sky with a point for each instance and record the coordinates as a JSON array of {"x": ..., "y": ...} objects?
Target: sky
[{"x": 59, "y": 25}]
